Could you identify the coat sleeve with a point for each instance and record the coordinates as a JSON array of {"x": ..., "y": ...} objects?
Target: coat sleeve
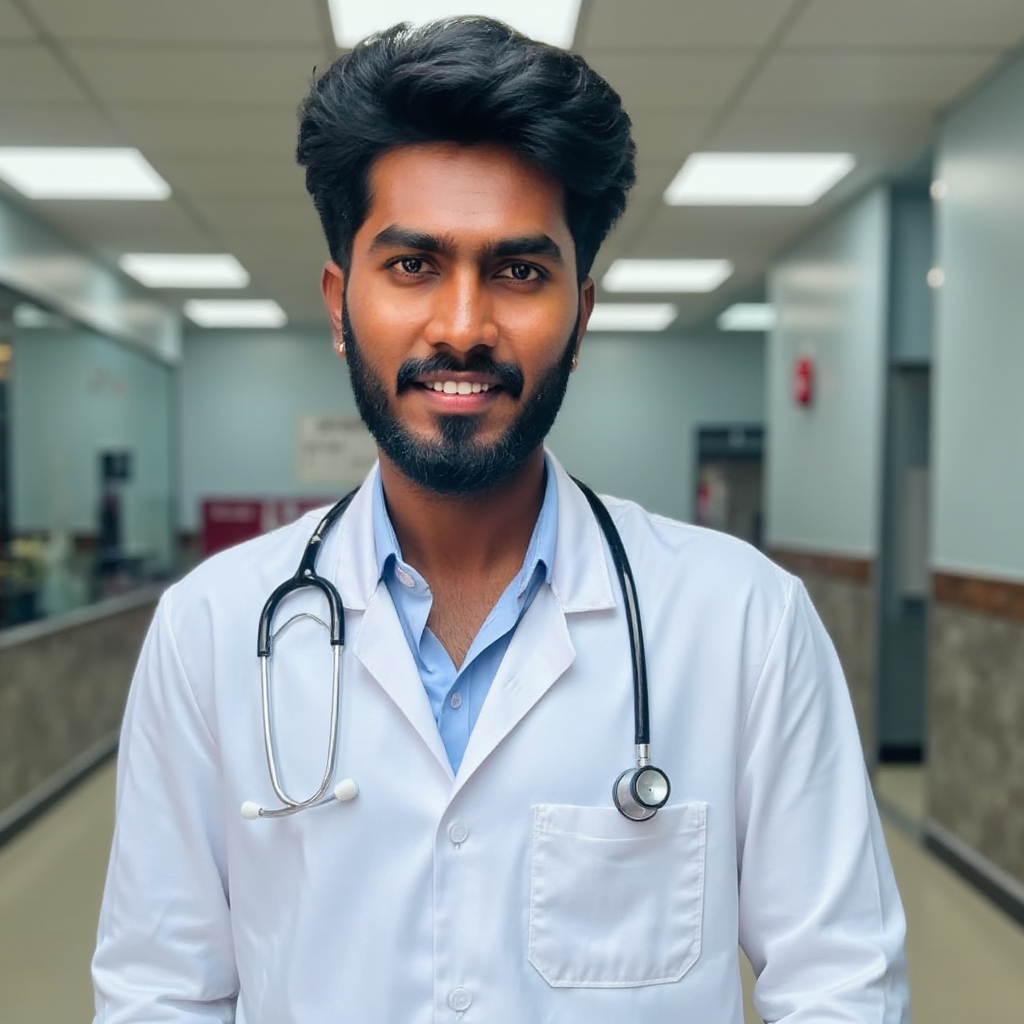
[
  {"x": 164, "y": 950},
  {"x": 820, "y": 915}
]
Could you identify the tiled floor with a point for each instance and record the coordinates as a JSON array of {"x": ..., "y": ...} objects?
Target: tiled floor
[{"x": 966, "y": 958}]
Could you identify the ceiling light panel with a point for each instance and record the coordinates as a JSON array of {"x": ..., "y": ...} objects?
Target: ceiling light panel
[
  {"x": 625, "y": 316},
  {"x": 757, "y": 179},
  {"x": 80, "y": 173},
  {"x": 666, "y": 275},
  {"x": 551, "y": 21},
  {"x": 184, "y": 270},
  {"x": 747, "y": 316},
  {"x": 235, "y": 313}
]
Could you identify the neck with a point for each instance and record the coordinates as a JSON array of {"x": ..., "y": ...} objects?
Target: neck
[{"x": 469, "y": 535}]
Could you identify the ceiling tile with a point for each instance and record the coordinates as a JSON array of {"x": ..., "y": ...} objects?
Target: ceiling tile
[
  {"x": 234, "y": 176},
  {"x": 114, "y": 228},
  {"x": 30, "y": 73},
  {"x": 178, "y": 75},
  {"x": 680, "y": 24},
  {"x": 212, "y": 130},
  {"x": 910, "y": 24},
  {"x": 866, "y": 79},
  {"x": 235, "y": 22},
  {"x": 672, "y": 81},
  {"x": 12, "y": 24},
  {"x": 863, "y": 131},
  {"x": 668, "y": 135},
  {"x": 275, "y": 218},
  {"x": 45, "y": 124}
]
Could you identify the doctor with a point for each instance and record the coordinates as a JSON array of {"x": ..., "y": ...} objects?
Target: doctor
[{"x": 475, "y": 867}]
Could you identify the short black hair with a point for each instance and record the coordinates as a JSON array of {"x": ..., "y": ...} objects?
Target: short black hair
[{"x": 467, "y": 80}]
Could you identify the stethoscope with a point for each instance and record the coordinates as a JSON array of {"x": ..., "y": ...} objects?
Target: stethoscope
[{"x": 638, "y": 792}]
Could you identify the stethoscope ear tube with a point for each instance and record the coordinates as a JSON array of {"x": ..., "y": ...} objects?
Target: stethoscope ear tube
[
  {"x": 639, "y": 792},
  {"x": 307, "y": 576},
  {"x": 642, "y": 715}
]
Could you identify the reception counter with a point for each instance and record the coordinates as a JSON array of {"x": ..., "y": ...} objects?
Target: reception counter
[{"x": 63, "y": 684}]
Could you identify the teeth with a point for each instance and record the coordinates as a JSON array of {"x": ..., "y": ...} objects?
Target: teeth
[{"x": 458, "y": 387}]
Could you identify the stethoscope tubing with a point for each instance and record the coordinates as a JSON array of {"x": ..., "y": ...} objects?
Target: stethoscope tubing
[{"x": 626, "y": 795}]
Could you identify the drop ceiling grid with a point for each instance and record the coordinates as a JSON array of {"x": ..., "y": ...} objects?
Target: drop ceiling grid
[
  {"x": 694, "y": 24},
  {"x": 208, "y": 90},
  {"x": 914, "y": 24},
  {"x": 12, "y": 24},
  {"x": 203, "y": 23}
]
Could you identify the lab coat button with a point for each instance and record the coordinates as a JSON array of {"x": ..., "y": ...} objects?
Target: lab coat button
[
  {"x": 459, "y": 1000},
  {"x": 458, "y": 833}
]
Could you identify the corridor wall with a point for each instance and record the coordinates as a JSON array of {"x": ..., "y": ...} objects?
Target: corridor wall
[
  {"x": 628, "y": 425},
  {"x": 824, "y": 476},
  {"x": 976, "y": 767},
  {"x": 74, "y": 394}
]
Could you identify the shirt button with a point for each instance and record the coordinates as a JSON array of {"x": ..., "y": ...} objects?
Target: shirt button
[
  {"x": 458, "y": 833},
  {"x": 456, "y": 701},
  {"x": 403, "y": 577},
  {"x": 459, "y": 1000}
]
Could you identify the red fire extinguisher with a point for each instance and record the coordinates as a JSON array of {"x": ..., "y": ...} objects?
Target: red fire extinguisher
[{"x": 803, "y": 381}]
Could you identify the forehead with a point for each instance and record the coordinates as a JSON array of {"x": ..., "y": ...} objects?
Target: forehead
[{"x": 470, "y": 192}]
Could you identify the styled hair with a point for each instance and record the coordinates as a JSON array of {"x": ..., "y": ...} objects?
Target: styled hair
[{"x": 467, "y": 80}]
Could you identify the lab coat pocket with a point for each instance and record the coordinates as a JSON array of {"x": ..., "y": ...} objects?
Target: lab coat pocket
[{"x": 616, "y": 903}]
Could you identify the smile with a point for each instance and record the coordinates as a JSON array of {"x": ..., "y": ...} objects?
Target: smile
[{"x": 458, "y": 387}]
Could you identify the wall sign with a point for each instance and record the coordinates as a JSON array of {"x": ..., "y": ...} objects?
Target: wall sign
[{"x": 332, "y": 450}]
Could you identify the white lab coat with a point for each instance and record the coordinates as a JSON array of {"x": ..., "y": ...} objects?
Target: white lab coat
[{"x": 513, "y": 892}]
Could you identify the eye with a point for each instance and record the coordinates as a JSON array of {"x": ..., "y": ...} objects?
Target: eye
[
  {"x": 411, "y": 264},
  {"x": 522, "y": 272}
]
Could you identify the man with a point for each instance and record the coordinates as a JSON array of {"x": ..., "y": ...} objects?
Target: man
[{"x": 475, "y": 867}]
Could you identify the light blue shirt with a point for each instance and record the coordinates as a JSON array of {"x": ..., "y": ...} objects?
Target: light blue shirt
[{"x": 456, "y": 695}]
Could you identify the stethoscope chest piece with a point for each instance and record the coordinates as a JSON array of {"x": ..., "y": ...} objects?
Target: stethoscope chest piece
[{"x": 639, "y": 793}]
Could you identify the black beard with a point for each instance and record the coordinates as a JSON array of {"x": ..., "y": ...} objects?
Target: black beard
[{"x": 456, "y": 463}]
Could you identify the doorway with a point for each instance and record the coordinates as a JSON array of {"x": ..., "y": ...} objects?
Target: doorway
[{"x": 730, "y": 481}]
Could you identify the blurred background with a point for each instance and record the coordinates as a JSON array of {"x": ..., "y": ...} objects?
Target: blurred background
[{"x": 809, "y": 333}]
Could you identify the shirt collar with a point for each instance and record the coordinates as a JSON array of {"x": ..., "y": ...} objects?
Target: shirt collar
[{"x": 540, "y": 554}]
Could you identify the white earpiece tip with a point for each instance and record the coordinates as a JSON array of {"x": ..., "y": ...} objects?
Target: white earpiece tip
[
  {"x": 250, "y": 810},
  {"x": 346, "y": 790}
]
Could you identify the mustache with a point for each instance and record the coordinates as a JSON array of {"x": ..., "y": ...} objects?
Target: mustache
[{"x": 509, "y": 375}]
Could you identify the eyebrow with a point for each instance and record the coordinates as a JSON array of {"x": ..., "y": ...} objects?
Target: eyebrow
[{"x": 396, "y": 236}]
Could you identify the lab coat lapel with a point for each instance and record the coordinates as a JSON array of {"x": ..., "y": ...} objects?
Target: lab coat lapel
[
  {"x": 381, "y": 647},
  {"x": 541, "y": 650},
  {"x": 539, "y": 654}
]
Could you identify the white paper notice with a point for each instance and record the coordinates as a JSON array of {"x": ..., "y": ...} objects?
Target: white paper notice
[{"x": 332, "y": 450}]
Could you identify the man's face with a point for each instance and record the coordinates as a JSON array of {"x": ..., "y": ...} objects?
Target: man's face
[{"x": 460, "y": 312}]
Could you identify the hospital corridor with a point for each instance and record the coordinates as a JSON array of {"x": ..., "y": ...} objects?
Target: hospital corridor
[{"x": 462, "y": 461}]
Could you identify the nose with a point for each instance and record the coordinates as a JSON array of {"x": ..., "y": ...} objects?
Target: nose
[{"x": 462, "y": 317}]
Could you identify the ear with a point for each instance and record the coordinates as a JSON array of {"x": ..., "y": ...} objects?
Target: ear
[
  {"x": 588, "y": 295},
  {"x": 332, "y": 287}
]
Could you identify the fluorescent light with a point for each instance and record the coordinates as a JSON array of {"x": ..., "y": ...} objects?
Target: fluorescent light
[
  {"x": 757, "y": 179},
  {"x": 184, "y": 270},
  {"x": 58, "y": 173},
  {"x": 235, "y": 313},
  {"x": 747, "y": 316},
  {"x": 551, "y": 21},
  {"x": 666, "y": 275},
  {"x": 625, "y": 316}
]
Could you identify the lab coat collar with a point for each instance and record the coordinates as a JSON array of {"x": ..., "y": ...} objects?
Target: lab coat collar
[
  {"x": 539, "y": 654},
  {"x": 579, "y": 576}
]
